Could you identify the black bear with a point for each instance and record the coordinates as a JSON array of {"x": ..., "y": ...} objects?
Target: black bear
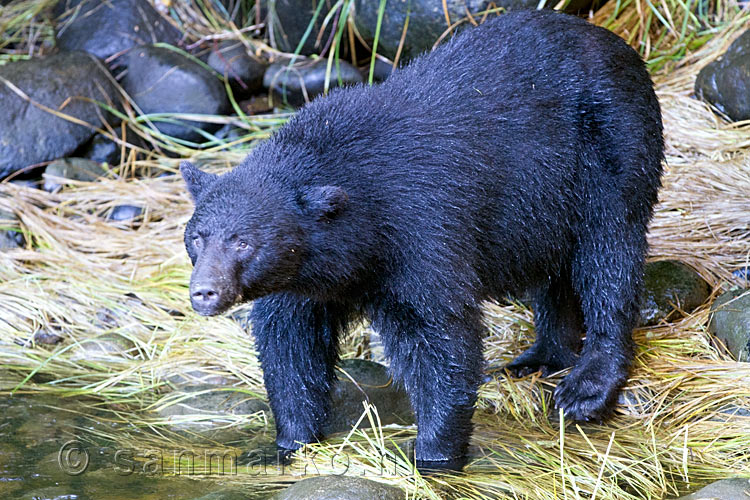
[{"x": 523, "y": 154}]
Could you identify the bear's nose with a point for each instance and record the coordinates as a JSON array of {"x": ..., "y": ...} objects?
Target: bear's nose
[{"x": 204, "y": 296}]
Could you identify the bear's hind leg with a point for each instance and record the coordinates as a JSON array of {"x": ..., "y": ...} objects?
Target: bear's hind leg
[
  {"x": 607, "y": 274},
  {"x": 558, "y": 322},
  {"x": 297, "y": 342},
  {"x": 439, "y": 361}
]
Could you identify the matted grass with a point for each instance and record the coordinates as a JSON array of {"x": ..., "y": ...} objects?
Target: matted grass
[{"x": 89, "y": 280}]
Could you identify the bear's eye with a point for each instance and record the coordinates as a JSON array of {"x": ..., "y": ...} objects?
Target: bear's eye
[
  {"x": 197, "y": 241},
  {"x": 242, "y": 245}
]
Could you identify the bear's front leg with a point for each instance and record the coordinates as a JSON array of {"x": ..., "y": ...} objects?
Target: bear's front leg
[
  {"x": 297, "y": 342},
  {"x": 439, "y": 361}
]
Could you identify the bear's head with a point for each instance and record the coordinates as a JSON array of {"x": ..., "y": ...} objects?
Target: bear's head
[{"x": 247, "y": 236}]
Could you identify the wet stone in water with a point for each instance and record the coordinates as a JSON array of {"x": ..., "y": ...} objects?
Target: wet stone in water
[{"x": 339, "y": 488}]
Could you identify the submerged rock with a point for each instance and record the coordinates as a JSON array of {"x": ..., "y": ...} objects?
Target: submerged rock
[
  {"x": 202, "y": 406},
  {"x": 725, "y": 83},
  {"x": 53, "y": 493},
  {"x": 30, "y": 135},
  {"x": 374, "y": 384},
  {"x": 737, "y": 488},
  {"x": 225, "y": 494},
  {"x": 75, "y": 169},
  {"x": 112, "y": 27},
  {"x": 303, "y": 81},
  {"x": 111, "y": 348},
  {"x": 161, "y": 80},
  {"x": 669, "y": 285},
  {"x": 339, "y": 488},
  {"x": 730, "y": 322}
]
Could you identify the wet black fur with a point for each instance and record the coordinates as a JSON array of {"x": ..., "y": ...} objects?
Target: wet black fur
[{"x": 524, "y": 154}]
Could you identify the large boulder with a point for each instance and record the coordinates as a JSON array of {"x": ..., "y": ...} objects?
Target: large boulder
[
  {"x": 29, "y": 132},
  {"x": 725, "y": 83},
  {"x": 725, "y": 489},
  {"x": 161, "y": 80},
  {"x": 112, "y": 27},
  {"x": 426, "y": 22},
  {"x": 304, "y": 80},
  {"x": 288, "y": 21}
]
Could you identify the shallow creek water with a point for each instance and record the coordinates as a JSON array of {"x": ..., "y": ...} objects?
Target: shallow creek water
[{"x": 53, "y": 448}]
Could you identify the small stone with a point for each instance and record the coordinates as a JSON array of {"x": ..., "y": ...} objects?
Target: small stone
[
  {"x": 730, "y": 322},
  {"x": 10, "y": 231},
  {"x": 230, "y": 133},
  {"x": 742, "y": 274},
  {"x": 636, "y": 402},
  {"x": 339, "y": 488},
  {"x": 125, "y": 213},
  {"x": 46, "y": 338},
  {"x": 244, "y": 71},
  {"x": 302, "y": 81},
  {"x": 669, "y": 285},
  {"x": 257, "y": 105},
  {"x": 737, "y": 488},
  {"x": 347, "y": 397},
  {"x": 725, "y": 83},
  {"x": 74, "y": 169},
  {"x": 161, "y": 80},
  {"x": 102, "y": 149}
]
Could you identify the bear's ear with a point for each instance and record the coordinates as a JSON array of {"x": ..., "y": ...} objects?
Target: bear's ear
[
  {"x": 195, "y": 179},
  {"x": 325, "y": 202}
]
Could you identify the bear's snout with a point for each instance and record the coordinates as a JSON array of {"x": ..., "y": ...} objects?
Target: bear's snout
[{"x": 205, "y": 299}]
